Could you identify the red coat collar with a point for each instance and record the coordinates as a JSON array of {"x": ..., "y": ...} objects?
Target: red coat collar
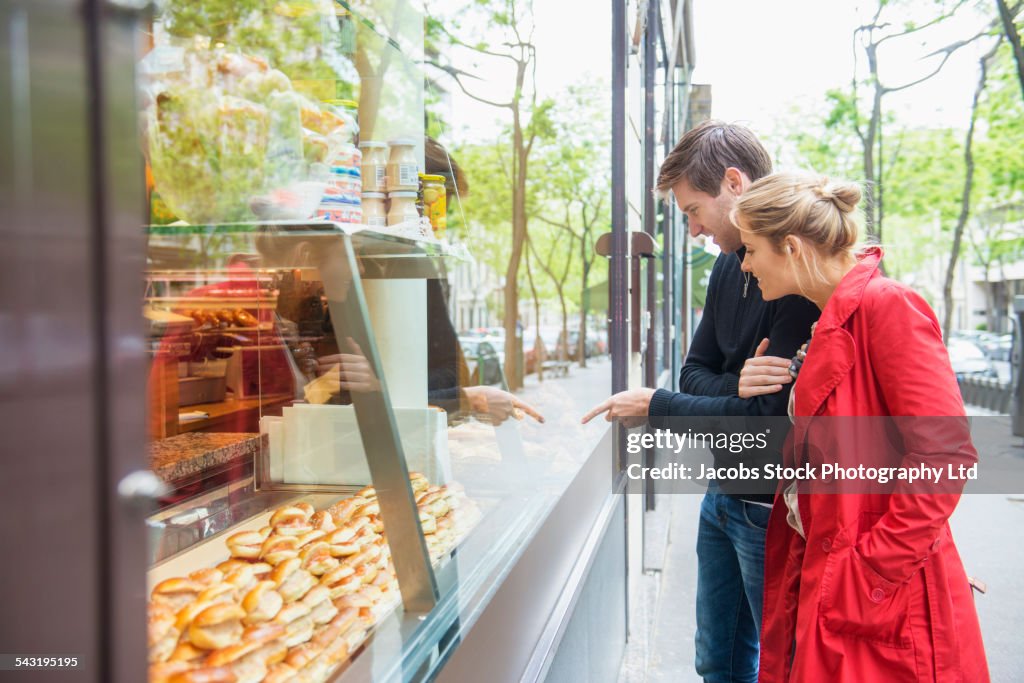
[
  {"x": 848, "y": 295},
  {"x": 832, "y": 351}
]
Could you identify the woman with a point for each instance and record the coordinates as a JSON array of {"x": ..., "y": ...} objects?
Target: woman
[{"x": 864, "y": 585}]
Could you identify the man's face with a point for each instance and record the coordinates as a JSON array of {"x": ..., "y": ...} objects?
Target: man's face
[{"x": 709, "y": 215}]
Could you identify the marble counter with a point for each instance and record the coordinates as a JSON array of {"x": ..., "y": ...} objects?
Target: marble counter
[{"x": 187, "y": 455}]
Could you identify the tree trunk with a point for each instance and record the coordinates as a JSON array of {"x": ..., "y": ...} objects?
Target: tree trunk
[
  {"x": 871, "y": 193},
  {"x": 1010, "y": 29},
  {"x": 538, "y": 359},
  {"x": 565, "y": 322},
  {"x": 513, "y": 345},
  {"x": 584, "y": 299},
  {"x": 965, "y": 201}
]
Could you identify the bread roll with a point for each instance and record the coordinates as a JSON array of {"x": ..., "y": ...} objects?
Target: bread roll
[
  {"x": 217, "y": 626},
  {"x": 291, "y": 521},
  {"x": 162, "y": 635},
  {"x": 302, "y": 655},
  {"x": 316, "y": 558},
  {"x": 277, "y": 549},
  {"x": 280, "y": 673},
  {"x": 188, "y": 613},
  {"x": 187, "y": 652},
  {"x": 221, "y": 592},
  {"x": 376, "y": 523},
  {"x": 207, "y": 675},
  {"x": 262, "y": 603},
  {"x": 371, "y": 508},
  {"x": 418, "y": 482},
  {"x": 177, "y": 592},
  {"x": 228, "y": 566},
  {"x": 342, "y": 541},
  {"x": 342, "y": 511},
  {"x": 162, "y": 672},
  {"x": 310, "y": 537},
  {"x": 323, "y": 521},
  {"x": 428, "y": 523},
  {"x": 297, "y": 623},
  {"x": 245, "y": 544},
  {"x": 227, "y": 655},
  {"x": 291, "y": 580},
  {"x": 207, "y": 577},
  {"x": 273, "y": 652},
  {"x": 242, "y": 579}
]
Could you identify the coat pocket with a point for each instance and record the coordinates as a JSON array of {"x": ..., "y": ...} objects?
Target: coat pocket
[{"x": 858, "y": 602}]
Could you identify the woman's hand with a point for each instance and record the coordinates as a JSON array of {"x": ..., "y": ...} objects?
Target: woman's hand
[
  {"x": 349, "y": 371},
  {"x": 493, "y": 405},
  {"x": 763, "y": 374}
]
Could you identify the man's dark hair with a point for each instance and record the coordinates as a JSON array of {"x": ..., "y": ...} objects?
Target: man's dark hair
[{"x": 705, "y": 151}]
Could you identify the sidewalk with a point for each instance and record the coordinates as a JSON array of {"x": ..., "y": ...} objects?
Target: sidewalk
[{"x": 989, "y": 532}]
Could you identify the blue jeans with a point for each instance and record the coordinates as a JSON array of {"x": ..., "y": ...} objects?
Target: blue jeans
[{"x": 730, "y": 584}]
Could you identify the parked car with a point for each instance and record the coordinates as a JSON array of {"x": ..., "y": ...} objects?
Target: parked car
[
  {"x": 549, "y": 338},
  {"x": 486, "y": 364},
  {"x": 997, "y": 346},
  {"x": 968, "y": 359}
]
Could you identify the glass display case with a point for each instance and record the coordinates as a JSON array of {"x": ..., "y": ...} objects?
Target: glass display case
[{"x": 338, "y": 498}]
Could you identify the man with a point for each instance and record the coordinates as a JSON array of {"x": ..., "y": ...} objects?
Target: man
[{"x": 710, "y": 167}]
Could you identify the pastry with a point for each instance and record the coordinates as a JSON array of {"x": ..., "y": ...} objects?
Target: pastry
[
  {"x": 291, "y": 521},
  {"x": 162, "y": 634},
  {"x": 217, "y": 626},
  {"x": 245, "y": 544},
  {"x": 222, "y": 592},
  {"x": 207, "y": 577},
  {"x": 262, "y": 603},
  {"x": 162, "y": 672},
  {"x": 277, "y": 549},
  {"x": 291, "y": 580},
  {"x": 323, "y": 521},
  {"x": 177, "y": 592},
  {"x": 316, "y": 558},
  {"x": 318, "y": 599},
  {"x": 207, "y": 675},
  {"x": 280, "y": 673},
  {"x": 297, "y": 623}
]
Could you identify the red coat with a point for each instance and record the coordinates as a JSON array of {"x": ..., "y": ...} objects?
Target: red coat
[{"x": 878, "y": 591}]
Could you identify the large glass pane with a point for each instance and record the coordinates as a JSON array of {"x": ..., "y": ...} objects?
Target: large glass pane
[{"x": 358, "y": 314}]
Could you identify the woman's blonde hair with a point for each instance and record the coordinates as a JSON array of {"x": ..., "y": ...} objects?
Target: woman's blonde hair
[{"x": 811, "y": 207}]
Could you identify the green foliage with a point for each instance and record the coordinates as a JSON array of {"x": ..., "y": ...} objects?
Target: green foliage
[
  {"x": 568, "y": 184},
  {"x": 302, "y": 38},
  {"x": 999, "y": 149}
]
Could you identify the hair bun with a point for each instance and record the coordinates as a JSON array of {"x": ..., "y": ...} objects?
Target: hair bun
[{"x": 843, "y": 194}]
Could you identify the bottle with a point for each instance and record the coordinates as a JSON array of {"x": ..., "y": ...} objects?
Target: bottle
[
  {"x": 374, "y": 215},
  {"x": 403, "y": 208},
  {"x": 374, "y": 169},
  {"x": 403, "y": 167},
  {"x": 435, "y": 202}
]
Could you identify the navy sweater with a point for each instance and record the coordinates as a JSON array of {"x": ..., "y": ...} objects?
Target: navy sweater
[{"x": 735, "y": 321}]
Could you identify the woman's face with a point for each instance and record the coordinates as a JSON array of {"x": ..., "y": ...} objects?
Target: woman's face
[{"x": 773, "y": 269}]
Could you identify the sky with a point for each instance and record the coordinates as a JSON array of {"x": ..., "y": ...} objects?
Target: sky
[{"x": 761, "y": 58}]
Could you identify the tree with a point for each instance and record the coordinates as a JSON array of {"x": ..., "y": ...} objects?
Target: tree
[
  {"x": 870, "y": 37},
  {"x": 574, "y": 196},
  {"x": 965, "y": 202},
  {"x": 994, "y": 244},
  {"x": 1007, "y": 18},
  {"x": 514, "y": 19}
]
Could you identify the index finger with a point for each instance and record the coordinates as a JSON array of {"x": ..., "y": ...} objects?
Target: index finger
[
  {"x": 603, "y": 407},
  {"x": 528, "y": 409}
]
